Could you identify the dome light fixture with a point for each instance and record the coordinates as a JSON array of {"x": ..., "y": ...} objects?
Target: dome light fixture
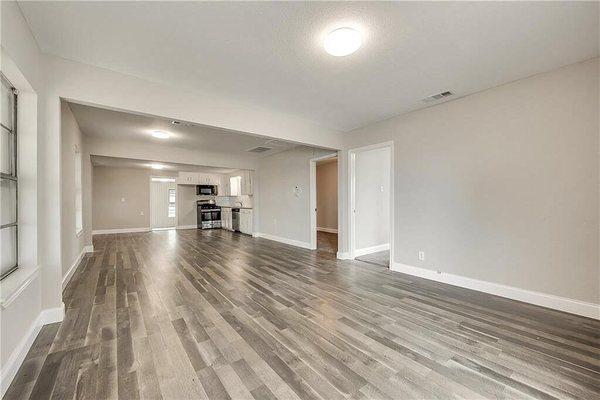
[
  {"x": 160, "y": 134},
  {"x": 342, "y": 41}
]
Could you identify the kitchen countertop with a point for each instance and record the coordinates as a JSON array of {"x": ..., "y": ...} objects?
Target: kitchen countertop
[{"x": 245, "y": 208}]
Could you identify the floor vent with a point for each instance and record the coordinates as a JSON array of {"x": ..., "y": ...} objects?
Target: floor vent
[
  {"x": 259, "y": 149},
  {"x": 438, "y": 96}
]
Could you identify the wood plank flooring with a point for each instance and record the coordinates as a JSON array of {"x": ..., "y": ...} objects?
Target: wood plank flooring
[{"x": 218, "y": 315}]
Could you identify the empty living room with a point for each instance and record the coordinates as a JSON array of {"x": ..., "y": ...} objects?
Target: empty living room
[{"x": 300, "y": 200}]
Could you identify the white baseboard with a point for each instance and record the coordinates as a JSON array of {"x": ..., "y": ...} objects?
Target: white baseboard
[
  {"x": 328, "y": 230},
  {"x": 73, "y": 267},
  {"x": 292, "y": 242},
  {"x": 187, "y": 226},
  {"x": 343, "y": 255},
  {"x": 12, "y": 365},
  {"x": 124, "y": 230},
  {"x": 372, "y": 249},
  {"x": 572, "y": 306}
]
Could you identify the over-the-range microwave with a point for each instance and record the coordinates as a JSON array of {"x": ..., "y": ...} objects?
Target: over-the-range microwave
[{"x": 206, "y": 190}]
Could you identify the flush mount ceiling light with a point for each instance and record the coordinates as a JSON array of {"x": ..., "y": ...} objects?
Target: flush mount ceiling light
[
  {"x": 156, "y": 166},
  {"x": 160, "y": 134},
  {"x": 342, "y": 42}
]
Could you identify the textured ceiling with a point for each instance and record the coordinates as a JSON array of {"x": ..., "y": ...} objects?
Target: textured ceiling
[
  {"x": 271, "y": 55},
  {"x": 120, "y": 126}
]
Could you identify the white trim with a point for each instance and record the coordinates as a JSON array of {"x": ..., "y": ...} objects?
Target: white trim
[
  {"x": 73, "y": 267},
  {"x": 312, "y": 202},
  {"x": 14, "y": 284},
  {"x": 292, "y": 242},
  {"x": 343, "y": 255},
  {"x": 372, "y": 249},
  {"x": 122, "y": 230},
  {"x": 328, "y": 230},
  {"x": 12, "y": 365},
  {"x": 573, "y": 306},
  {"x": 351, "y": 194},
  {"x": 187, "y": 227}
]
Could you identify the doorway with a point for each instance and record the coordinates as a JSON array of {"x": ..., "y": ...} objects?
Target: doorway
[
  {"x": 371, "y": 204},
  {"x": 324, "y": 203},
  {"x": 163, "y": 203}
]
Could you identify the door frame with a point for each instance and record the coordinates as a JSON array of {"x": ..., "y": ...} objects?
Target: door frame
[
  {"x": 150, "y": 206},
  {"x": 352, "y": 196},
  {"x": 313, "y": 196}
]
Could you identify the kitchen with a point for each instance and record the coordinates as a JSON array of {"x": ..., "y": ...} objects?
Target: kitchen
[{"x": 223, "y": 200}]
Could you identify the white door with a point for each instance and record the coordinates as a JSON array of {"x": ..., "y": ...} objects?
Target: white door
[{"x": 163, "y": 203}]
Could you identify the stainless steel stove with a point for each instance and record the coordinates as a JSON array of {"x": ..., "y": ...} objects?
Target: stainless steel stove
[{"x": 209, "y": 214}]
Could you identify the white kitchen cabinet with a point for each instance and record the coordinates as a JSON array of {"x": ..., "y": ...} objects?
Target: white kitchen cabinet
[
  {"x": 246, "y": 183},
  {"x": 226, "y": 218},
  {"x": 246, "y": 221}
]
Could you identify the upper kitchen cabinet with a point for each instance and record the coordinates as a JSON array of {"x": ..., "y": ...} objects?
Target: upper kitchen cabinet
[
  {"x": 198, "y": 178},
  {"x": 246, "y": 182}
]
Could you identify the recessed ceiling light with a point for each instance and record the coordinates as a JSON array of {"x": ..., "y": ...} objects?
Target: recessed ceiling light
[
  {"x": 342, "y": 41},
  {"x": 157, "y": 166},
  {"x": 160, "y": 134}
]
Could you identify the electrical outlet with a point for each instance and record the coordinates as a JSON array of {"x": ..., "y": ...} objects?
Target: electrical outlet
[
  {"x": 122, "y": 199},
  {"x": 421, "y": 255},
  {"x": 142, "y": 212}
]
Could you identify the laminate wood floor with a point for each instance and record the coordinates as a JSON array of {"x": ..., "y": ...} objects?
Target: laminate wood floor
[{"x": 218, "y": 315}]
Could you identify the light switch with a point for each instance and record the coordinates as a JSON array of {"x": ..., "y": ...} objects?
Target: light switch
[
  {"x": 142, "y": 212},
  {"x": 122, "y": 199}
]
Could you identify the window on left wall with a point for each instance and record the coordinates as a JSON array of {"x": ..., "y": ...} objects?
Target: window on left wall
[
  {"x": 9, "y": 227},
  {"x": 78, "y": 192}
]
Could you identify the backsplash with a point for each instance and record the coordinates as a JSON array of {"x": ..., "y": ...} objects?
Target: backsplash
[{"x": 231, "y": 201}]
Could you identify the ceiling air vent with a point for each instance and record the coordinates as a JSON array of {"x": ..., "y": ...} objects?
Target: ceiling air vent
[
  {"x": 438, "y": 96},
  {"x": 259, "y": 149}
]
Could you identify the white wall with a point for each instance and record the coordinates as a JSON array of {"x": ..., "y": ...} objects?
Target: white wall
[
  {"x": 372, "y": 205},
  {"x": 72, "y": 243},
  {"x": 327, "y": 195},
  {"x": 22, "y": 292},
  {"x": 283, "y": 213},
  {"x": 502, "y": 186}
]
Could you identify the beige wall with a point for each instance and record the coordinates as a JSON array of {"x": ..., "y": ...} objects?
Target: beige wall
[
  {"x": 283, "y": 213},
  {"x": 502, "y": 186},
  {"x": 72, "y": 243},
  {"x": 110, "y": 185},
  {"x": 327, "y": 195}
]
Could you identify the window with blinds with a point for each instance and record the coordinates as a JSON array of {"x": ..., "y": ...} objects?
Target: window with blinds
[{"x": 8, "y": 179}]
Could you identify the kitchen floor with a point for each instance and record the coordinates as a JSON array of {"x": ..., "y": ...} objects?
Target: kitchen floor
[{"x": 210, "y": 314}]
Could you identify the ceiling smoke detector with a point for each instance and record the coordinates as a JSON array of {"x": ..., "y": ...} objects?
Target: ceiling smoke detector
[
  {"x": 438, "y": 96},
  {"x": 258, "y": 149}
]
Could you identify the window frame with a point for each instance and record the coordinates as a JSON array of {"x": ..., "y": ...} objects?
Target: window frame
[
  {"x": 172, "y": 203},
  {"x": 14, "y": 171},
  {"x": 238, "y": 185}
]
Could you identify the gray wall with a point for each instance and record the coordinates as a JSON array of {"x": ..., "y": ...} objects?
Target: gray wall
[
  {"x": 282, "y": 213},
  {"x": 186, "y": 205},
  {"x": 71, "y": 243},
  {"x": 372, "y": 215},
  {"x": 327, "y": 195},
  {"x": 502, "y": 186},
  {"x": 110, "y": 185}
]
